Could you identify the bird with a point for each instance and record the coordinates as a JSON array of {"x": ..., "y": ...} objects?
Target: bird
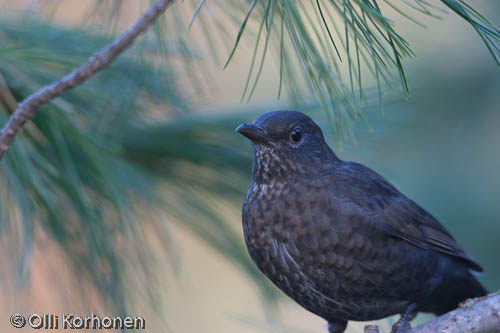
[{"x": 338, "y": 238}]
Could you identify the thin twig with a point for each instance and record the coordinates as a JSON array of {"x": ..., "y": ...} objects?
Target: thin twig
[{"x": 26, "y": 109}]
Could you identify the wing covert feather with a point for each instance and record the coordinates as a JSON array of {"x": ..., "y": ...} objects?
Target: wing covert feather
[{"x": 394, "y": 213}]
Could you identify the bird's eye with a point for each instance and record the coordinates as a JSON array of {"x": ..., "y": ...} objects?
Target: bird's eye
[{"x": 296, "y": 135}]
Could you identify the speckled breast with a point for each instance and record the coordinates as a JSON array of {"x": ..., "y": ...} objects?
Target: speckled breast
[{"x": 322, "y": 266}]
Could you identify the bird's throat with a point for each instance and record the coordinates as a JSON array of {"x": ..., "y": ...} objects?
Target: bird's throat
[{"x": 268, "y": 166}]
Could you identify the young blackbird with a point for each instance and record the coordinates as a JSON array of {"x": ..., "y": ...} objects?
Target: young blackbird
[{"x": 338, "y": 238}]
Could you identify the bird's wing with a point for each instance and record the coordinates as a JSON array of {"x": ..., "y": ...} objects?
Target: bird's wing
[{"x": 394, "y": 213}]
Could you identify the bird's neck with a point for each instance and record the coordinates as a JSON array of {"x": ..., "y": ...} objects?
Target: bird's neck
[{"x": 269, "y": 168}]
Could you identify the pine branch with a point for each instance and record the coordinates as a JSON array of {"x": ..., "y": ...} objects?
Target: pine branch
[
  {"x": 474, "y": 315},
  {"x": 27, "y": 109},
  {"x": 477, "y": 315}
]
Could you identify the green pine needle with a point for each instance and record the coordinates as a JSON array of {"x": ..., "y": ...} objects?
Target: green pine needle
[{"x": 370, "y": 40}]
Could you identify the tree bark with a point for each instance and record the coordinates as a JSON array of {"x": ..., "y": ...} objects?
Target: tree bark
[
  {"x": 473, "y": 316},
  {"x": 27, "y": 109},
  {"x": 477, "y": 315}
]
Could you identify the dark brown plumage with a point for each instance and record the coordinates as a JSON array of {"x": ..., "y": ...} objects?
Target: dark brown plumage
[{"x": 337, "y": 237}]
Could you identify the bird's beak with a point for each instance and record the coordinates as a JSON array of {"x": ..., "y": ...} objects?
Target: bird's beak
[{"x": 252, "y": 132}]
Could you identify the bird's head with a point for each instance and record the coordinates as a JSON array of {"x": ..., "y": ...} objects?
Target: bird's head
[{"x": 286, "y": 143}]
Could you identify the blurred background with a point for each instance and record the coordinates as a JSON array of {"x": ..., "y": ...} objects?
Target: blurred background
[{"x": 124, "y": 195}]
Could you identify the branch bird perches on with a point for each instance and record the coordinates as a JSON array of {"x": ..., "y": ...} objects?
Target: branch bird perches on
[
  {"x": 478, "y": 315},
  {"x": 474, "y": 315}
]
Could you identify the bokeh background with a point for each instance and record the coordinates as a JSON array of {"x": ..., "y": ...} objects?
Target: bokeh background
[{"x": 124, "y": 195}]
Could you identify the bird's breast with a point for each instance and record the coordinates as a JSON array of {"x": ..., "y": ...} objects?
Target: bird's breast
[
  {"x": 306, "y": 244},
  {"x": 267, "y": 217}
]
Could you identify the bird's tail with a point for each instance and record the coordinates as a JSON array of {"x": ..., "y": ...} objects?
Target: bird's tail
[{"x": 455, "y": 291}]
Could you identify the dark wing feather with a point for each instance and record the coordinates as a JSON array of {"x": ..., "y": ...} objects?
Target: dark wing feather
[{"x": 394, "y": 213}]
